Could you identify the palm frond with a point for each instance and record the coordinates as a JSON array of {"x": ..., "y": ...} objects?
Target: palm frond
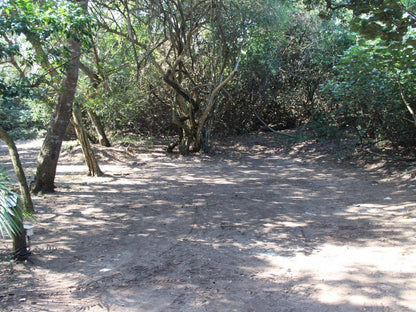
[{"x": 11, "y": 211}]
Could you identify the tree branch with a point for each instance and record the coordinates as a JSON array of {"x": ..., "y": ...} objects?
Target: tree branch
[
  {"x": 330, "y": 6},
  {"x": 95, "y": 79},
  {"x": 211, "y": 98},
  {"x": 167, "y": 78},
  {"x": 406, "y": 102},
  {"x": 271, "y": 129}
]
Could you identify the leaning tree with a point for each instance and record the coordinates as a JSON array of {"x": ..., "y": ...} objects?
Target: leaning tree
[{"x": 39, "y": 23}]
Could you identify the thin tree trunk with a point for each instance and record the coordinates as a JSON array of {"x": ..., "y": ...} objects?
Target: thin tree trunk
[
  {"x": 93, "y": 167},
  {"x": 49, "y": 154},
  {"x": 20, "y": 248},
  {"x": 210, "y": 104},
  {"x": 102, "y": 137},
  {"x": 95, "y": 81},
  {"x": 406, "y": 102},
  {"x": 18, "y": 168}
]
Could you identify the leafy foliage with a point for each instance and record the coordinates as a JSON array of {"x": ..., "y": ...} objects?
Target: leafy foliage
[
  {"x": 11, "y": 211},
  {"x": 368, "y": 96},
  {"x": 33, "y": 58},
  {"x": 282, "y": 69},
  {"x": 372, "y": 89},
  {"x": 293, "y": 70},
  {"x": 15, "y": 113}
]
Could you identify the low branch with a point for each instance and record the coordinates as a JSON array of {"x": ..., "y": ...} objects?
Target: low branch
[
  {"x": 13, "y": 59},
  {"x": 215, "y": 92},
  {"x": 148, "y": 50},
  {"x": 180, "y": 90},
  {"x": 211, "y": 101},
  {"x": 36, "y": 44},
  {"x": 94, "y": 78},
  {"x": 271, "y": 129}
]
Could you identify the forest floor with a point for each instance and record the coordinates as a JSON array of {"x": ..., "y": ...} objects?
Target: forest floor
[{"x": 257, "y": 225}]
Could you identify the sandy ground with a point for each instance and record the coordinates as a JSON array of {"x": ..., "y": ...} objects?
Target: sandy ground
[{"x": 253, "y": 227}]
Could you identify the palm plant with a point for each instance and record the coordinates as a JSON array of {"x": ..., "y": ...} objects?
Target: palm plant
[
  {"x": 11, "y": 218},
  {"x": 11, "y": 212}
]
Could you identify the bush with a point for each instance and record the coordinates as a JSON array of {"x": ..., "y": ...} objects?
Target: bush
[{"x": 365, "y": 99}]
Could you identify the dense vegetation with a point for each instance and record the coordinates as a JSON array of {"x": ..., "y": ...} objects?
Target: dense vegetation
[
  {"x": 333, "y": 69},
  {"x": 192, "y": 69}
]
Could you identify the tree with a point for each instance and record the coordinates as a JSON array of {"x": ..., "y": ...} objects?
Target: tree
[
  {"x": 13, "y": 90},
  {"x": 95, "y": 81},
  {"x": 386, "y": 19},
  {"x": 38, "y": 30},
  {"x": 372, "y": 95},
  {"x": 49, "y": 154},
  {"x": 11, "y": 209},
  {"x": 10, "y": 93},
  {"x": 18, "y": 168},
  {"x": 199, "y": 57},
  {"x": 93, "y": 167},
  {"x": 288, "y": 54},
  {"x": 187, "y": 45}
]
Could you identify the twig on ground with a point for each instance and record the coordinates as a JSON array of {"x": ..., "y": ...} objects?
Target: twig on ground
[{"x": 272, "y": 130}]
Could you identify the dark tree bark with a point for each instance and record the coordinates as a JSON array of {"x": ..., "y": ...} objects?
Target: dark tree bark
[
  {"x": 20, "y": 248},
  {"x": 49, "y": 154},
  {"x": 193, "y": 127}
]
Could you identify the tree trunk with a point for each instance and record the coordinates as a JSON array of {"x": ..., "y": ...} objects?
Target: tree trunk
[
  {"x": 206, "y": 137},
  {"x": 18, "y": 168},
  {"x": 186, "y": 107},
  {"x": 185, "y": 143},
  {"x": 49, "y": 154},
  {"x": 93, "y": 167},
  {"x": 102, "y": 137},
  {"x": 20, "y": 248},
  {"x": 210, "y": 104}
]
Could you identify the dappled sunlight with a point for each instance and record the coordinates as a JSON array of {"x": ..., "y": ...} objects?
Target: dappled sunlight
[
  {"x": 264, "y": 225},
  {"x": 72, "y": 170},
  {"x": 403, "y": 212},
  {"x": 351, "y": 279}
]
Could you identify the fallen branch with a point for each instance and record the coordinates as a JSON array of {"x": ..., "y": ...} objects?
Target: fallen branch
[{"x": 272, "y": 130}]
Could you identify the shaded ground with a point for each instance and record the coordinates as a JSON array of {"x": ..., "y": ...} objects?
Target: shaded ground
[{"x": 253, "y": 227}]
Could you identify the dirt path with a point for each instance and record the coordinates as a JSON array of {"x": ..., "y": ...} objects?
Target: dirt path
[{"x": 252, "y": 228}]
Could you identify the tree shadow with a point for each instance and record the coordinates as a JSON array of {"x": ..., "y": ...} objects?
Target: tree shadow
[{"x": 257, "y": 232}]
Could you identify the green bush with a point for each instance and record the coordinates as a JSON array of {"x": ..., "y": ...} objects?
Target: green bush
[{"x": 365, "y": 98}]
